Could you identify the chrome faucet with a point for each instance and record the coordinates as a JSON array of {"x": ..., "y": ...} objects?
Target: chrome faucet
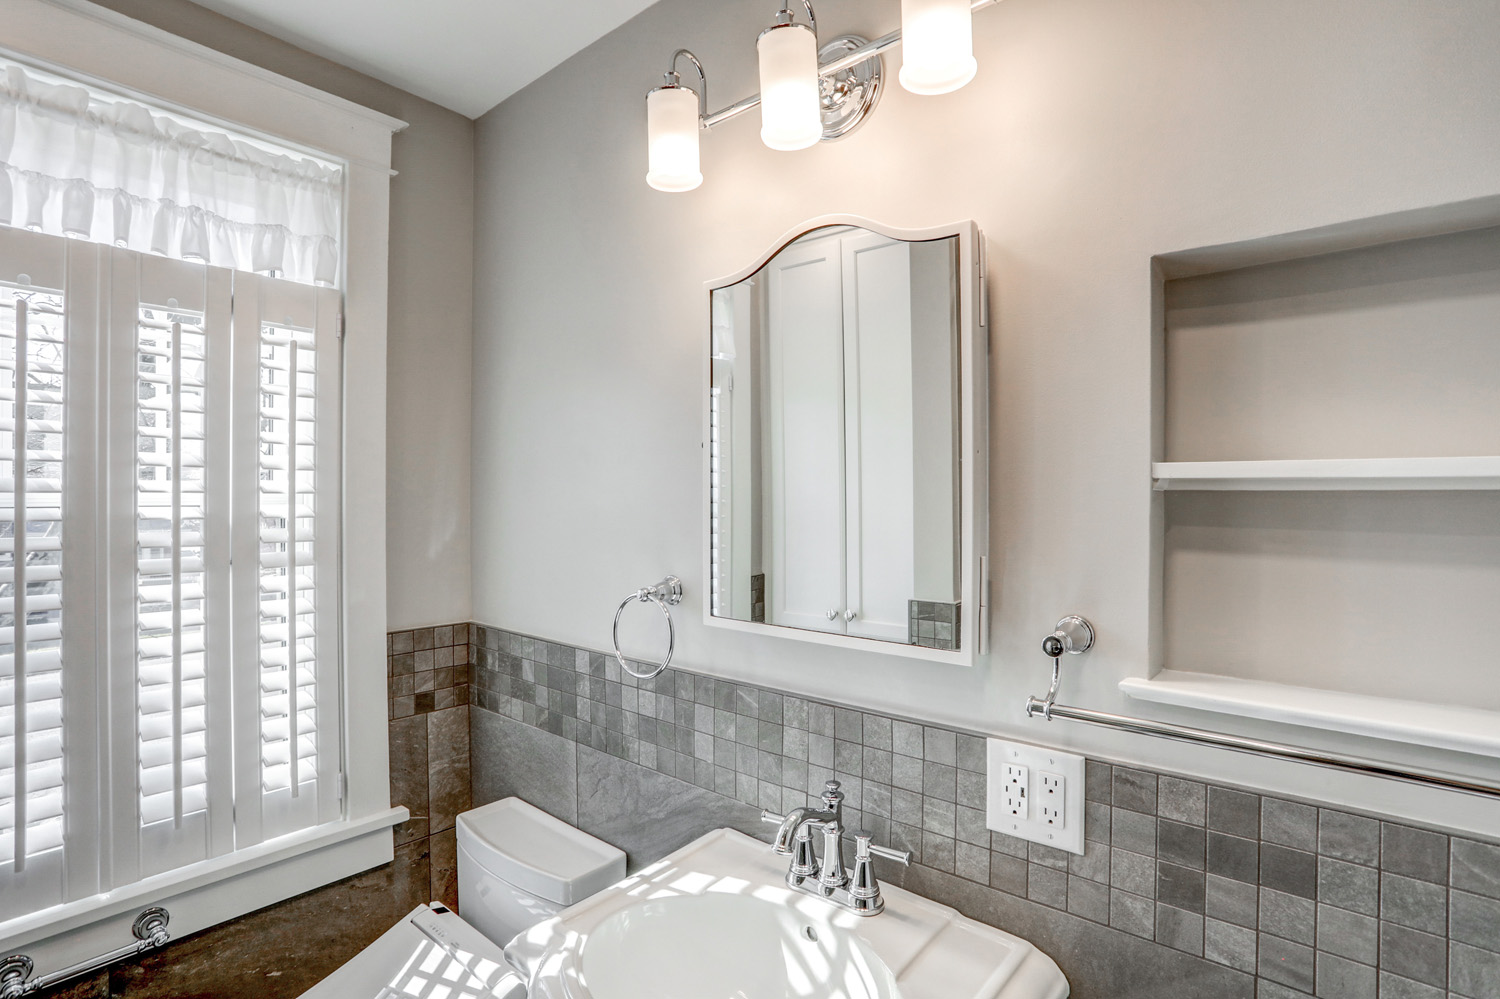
[{"x": 858, "y": 891}]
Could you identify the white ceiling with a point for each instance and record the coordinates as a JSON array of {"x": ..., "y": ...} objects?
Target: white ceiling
[{"x": 467, "y": 55}]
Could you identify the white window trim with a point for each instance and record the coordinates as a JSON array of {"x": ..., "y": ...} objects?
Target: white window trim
[{"x": 101, "y": 46}]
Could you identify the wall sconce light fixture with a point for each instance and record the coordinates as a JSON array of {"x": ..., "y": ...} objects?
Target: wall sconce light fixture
[{"x": 810, "y": 93}]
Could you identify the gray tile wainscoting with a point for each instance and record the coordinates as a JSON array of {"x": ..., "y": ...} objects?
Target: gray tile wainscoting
[{"x": 1186, "y": 889}]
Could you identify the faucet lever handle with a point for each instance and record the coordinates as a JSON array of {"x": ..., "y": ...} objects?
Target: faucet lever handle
[{"x": 832, "y": 795}]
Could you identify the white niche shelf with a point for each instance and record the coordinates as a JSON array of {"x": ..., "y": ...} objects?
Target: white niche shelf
[
  {"x": 1441, "y": 726},
  {"x": 1330, "y": 474}
]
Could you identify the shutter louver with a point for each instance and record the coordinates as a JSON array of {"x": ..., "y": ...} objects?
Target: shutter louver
[
  {"x": 288, "y": 573},
  {"x": 32, "y": 359},
  {"x": 171, "y": 583}
]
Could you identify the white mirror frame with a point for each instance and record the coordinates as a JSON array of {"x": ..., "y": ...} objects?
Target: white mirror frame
[{"x": 974, "y": 336}]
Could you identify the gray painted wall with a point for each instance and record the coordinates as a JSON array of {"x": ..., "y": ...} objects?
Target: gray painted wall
[
  {"x": 431, "y": 325},
  {"x": 1097, "y": 134}
]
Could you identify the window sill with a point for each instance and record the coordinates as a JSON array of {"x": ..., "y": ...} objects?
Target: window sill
[{"x": 207, "y": 893}]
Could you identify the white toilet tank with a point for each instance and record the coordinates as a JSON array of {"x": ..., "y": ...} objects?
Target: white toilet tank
[{"x": 517, "y": 866}]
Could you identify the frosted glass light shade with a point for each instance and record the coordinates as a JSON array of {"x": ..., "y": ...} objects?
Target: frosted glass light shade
[
  {"x": 790, "y": 115},
  {"x": 937, "y": 45},
  {"x": 672, "y": 139}
]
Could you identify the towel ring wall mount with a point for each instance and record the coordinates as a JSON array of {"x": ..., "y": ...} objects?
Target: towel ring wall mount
[{"x": 666, "y": 594}]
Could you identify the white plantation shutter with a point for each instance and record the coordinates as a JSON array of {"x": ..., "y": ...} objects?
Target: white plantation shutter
[
  {"x": 286, "y": 603},
  {"x": 169, "y": 514}
]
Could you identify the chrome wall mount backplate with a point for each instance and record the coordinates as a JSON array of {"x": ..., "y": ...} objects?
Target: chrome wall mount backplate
[{"x": 849, "y": 95}]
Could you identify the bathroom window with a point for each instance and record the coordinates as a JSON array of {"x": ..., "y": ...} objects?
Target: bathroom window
[
  {"x": 169, "y": 497},
  {"x": 175, "y": 445}
]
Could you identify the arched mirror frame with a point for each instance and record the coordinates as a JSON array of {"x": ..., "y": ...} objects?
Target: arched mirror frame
[{"x": 973, "y": 378}]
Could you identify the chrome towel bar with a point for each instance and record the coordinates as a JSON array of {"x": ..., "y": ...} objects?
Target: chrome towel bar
[
  {"x": 1238, "y": 744},
  {"x": 1075, "y": 635}
]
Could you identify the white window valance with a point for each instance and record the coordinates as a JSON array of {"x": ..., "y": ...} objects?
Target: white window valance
[{"x": 76, "y": 162}]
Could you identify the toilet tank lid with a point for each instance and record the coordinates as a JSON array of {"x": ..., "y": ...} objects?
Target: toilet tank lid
[{"x": 524, "y": 846}]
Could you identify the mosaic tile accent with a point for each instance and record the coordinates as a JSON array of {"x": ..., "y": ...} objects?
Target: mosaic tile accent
[
  {"x": 932, "y": 624},
  {"x": 428, "y": 677},
  {"x": 1308, "y": 899}
]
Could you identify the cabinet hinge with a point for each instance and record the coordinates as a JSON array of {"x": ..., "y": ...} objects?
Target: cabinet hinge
[{"x": 338, "y": 326}]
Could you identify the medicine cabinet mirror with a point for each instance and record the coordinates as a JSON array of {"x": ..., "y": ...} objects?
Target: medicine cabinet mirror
[{"x": 845, "y": 440}]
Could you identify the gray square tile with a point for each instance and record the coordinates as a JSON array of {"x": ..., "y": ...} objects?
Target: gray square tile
[
  {"x": 938, "y": 817},
  {"x": 1348, "y": 837},
  {"x": 793, "y": 743},
  {"x": 1047, "y": 886},
  {"x": 1008, "y": 874},
  {"x": 1182, "y": 800},
  {"x": 1348, "y": 934},
  {"x": 1180, "y": 843},
  {"x": 1233, "y": 812},
  {"x": 877, "y": 732},
  {"x": 940, "y": 745},
  {"x": 939, "y": 781},
  {"x": 938, "y": 852},
  {"x": 1009, "y": 845},
  {"x": 1228, "y": 944},
  {"x": 770, "y": 706},
  {"x": 1418, "y": 904},
  {"x": 1132, "y": 914},
  {"x": 972, "y": 754},
  {"x": 1233, "y": 857},
  {"x": 1132, "y": 872},
  {"x": 1088, "y": 899},
  {"x": 1286, "y": 962},
  {"x": 1289, "y": 823},
  {"x": 1288, "y": 916},
  {"x": 1231, "y": 901},
  {"x": 1340, "y": 978},
  {"x": 1413, "y": 954},
  {"x": 1180, "y": 887},
  {"x": 1135, "y": 790},
  {"x": 878, "y": 798},
  {"x": 1415, "y": 853},
  {"x": 906, "y": 772},
  {"x": 793, "y": 712},
  {"x": 1292, "y": 871},
  {"x": 906, "y": 738},
  {"x": 1179, "y": 929},
  {"x": 820, "y": 752},
  {"x": 972, "y": 827},
  {"x": 1096, "y": 822},
  {"x": 848, "y": 757},
  {"x": 1092, "y": 864},
  {"x": 906, "y": 806},
  {"x": 1474, "y": 919},
  {"x": 876, "y": 765},
  {"x": 972, "y": 789},
  {"x": 820, "y": 719},
  {"x": 1476, "y": 867},
  {"x": 971, "y": 862},
  {"x": 1348, "y": 886},
  {"x": 848, "y": 725},
  {"x": 1473, "y": 972},
  {"x": 1134, "y": 831}
]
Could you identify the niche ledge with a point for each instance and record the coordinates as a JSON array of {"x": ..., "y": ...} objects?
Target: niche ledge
[{"x": 1464, "y": 730}]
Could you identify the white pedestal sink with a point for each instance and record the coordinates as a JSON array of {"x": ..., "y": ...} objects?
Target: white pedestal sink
[{"x": 715, "y": 921}]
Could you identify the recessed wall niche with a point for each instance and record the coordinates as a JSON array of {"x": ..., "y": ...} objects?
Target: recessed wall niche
[{"x": 1328, "y": 454}]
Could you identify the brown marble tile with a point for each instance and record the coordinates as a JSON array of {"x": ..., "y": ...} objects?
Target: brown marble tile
[
  {"x": 409, "y": 764},
  {"x": 448, "y": 734},
  {"x": 447, "y": 791},
  {"x": 444, "y": 847},
  {"x": 283, "y": 950}
]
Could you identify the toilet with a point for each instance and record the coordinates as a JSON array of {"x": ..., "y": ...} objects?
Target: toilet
[{"x": 518, "y": 866}]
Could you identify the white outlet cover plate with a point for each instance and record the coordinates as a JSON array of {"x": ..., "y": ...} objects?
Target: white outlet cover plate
[{"x": 1037, "y": 760}]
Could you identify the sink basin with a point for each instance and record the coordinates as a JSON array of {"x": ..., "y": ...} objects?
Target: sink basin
[
  {"x": 728, "y": 946},
  {"x": 715, "y": 920}
]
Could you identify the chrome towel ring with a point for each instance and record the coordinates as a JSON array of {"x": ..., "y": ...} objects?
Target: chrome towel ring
[{"x": 665, "y": 594}]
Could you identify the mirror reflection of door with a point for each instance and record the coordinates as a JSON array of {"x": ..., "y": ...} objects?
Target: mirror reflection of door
[{"x": 834, "y": 429}]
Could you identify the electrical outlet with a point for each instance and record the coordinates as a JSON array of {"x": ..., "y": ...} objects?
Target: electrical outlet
[
  {"x": 1016, "y": 800},
  {"x": 1036, "y": 794},
  {"x": 1052, "y": 799}
]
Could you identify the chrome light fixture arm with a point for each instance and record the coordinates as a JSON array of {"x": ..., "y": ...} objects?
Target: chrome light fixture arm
[{"x": 674, "y": 79}]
